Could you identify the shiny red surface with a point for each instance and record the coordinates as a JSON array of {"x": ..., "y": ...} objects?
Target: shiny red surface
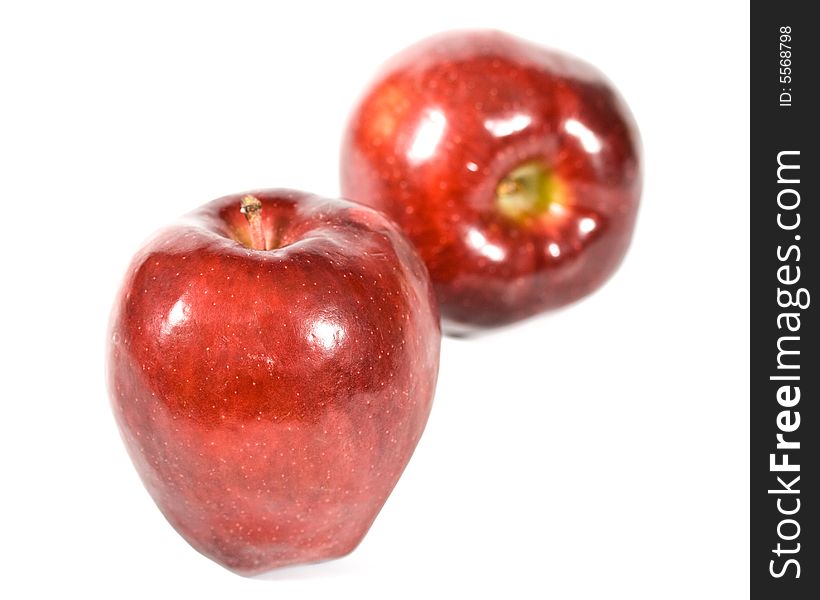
[
  {"x": 447, "y": 120},
  {"x": 270, "y": 399}
]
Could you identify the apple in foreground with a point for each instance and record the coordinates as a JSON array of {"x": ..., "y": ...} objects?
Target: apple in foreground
[
  {"x": 272, "y": 363},
  {"x": 514, "y": 169}
]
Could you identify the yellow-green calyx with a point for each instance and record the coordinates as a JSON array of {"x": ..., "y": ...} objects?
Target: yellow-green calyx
[{"x": 528, "y": 191}]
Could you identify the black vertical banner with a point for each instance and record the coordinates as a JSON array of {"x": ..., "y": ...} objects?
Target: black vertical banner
[{"x": 785, "y": 362}]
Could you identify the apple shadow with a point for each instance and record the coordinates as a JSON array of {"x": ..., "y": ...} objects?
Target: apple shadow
[
  {"x": 327, "y": 569},
  {"x": 461, "y": 333}
]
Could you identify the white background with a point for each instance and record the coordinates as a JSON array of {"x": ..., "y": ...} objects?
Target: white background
[{"x": 598, "y": 452}]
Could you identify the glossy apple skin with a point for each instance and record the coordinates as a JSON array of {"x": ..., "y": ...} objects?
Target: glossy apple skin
[
  {"x": 270, "y": 399},
  {"x": 446, "y": 120}
]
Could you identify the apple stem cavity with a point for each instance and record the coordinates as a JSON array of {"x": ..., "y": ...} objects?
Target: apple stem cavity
[
  {"x": 251, "y": 207},
  {"x": 527, "y": 192}
]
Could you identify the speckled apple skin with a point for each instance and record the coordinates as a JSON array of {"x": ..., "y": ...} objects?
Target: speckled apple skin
[
  {"x": 270, "y": 399},
  {"x": 446, "y": 120}
]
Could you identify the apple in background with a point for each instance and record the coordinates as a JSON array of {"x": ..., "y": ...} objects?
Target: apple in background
[
  {"x": 514, "y": 169},
  {"x": 271, "y": 373}
]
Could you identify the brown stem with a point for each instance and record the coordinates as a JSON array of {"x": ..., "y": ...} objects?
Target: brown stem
[{"x": 251, "y": 207}]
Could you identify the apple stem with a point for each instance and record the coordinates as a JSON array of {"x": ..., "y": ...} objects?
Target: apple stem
[{"x": 251, "y": 207}]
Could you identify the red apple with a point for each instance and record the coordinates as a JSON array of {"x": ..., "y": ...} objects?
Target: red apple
[
  {"x": 272, "y": 376},
  {"x": 514, "y": 169}
]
